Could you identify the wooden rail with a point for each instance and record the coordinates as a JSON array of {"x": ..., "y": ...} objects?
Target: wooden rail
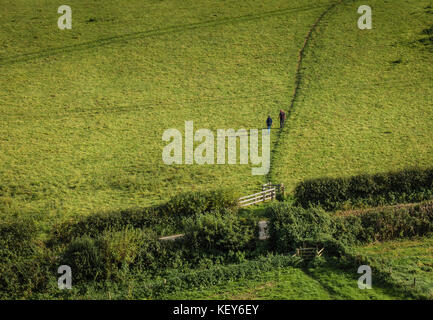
[
  {"x": 258, "y": 197},
  {"x": 308, "y": 253},
  {"x": 269, "y": 192}
]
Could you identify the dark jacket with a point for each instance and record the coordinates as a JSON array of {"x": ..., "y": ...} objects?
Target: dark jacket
[
  {"x": 282, "y": 116},
  {"x": 269, "y": 121}
]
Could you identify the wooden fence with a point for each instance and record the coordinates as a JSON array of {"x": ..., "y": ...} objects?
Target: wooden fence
[
  {"x": 269, "y": 192},
  {"x": 258, "y": 197},
  {"x": 308, "y": 253}
]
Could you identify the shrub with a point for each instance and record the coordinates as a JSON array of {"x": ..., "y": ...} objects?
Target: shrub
[
  {"x": 24, "y": 264},
  {"x": 137, "y": 250},
  {"x": 180, "y": 280},
  {"x": 218, "y": 232},
  {"x": 409, "y": 185},
  {"x": 120, "y": 249},
  {"x": 198, "y": 202},
  {"x": 115, "y": 253},
  {"x": 84, "y": 256},
  {"x": 290, "y": 226},
  {"x": 385, "y": 223},
  {"x": 165, "y": 217},
  {"x": 94, "y": 225}
]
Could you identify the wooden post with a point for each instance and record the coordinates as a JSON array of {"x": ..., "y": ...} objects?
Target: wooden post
[{"x": 282, "y": 190}]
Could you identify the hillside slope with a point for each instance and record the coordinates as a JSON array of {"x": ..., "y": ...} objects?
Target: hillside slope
[{"x": 365, "y": 99}]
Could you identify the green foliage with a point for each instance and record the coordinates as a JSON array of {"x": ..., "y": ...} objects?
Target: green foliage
[
  {"x": 409, "y": 185},
  {"x": 94, "y": 225},
  {"x": 113, "y": 254},
  {"x": 218, "y": 232},
  {"x": 24, "y": 264},
  {"x": 385, "y": 223},
  {"x": 193, "y": 203},
  {"x": 120, "y": 249},
  {"x": 290, "y": 226},
  {"x": 84, "y": 256},
  {"x": 194, "y": 279},
  {"x": 163, "y": 218}
]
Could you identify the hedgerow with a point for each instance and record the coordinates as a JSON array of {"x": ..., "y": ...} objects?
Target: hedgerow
[
  {"x": 218, "y": 232},
  {"x": 385, "y": 223},
  {"x": 24, "y": 264},
  {"x": 166, "y": 217},
  {"x": 409, "y": 185},
  {"x": 113, "y": 253},
  {"x": 291, "y": 226}
]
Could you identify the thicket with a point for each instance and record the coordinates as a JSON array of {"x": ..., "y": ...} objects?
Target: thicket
[
  {"x": 405, "y": 186},
  {"x": 108, "y": 246},
  {"x": 164, "y": 218},
  {"x": 111, "y": 245},
  {"x": 219, "y": 232},
  {"x": 211, "y": 238},
  {"x": 115, "y": 253},
  {"x": 291, "y": 227},
  {"x": 140, "y": 286},
  {"x": 24, "y": 264},
  {"x": 114, "y": 246}
]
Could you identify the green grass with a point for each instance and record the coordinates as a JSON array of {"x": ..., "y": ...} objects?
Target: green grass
[
  {"x": 406, "y": 260},
  {"x": 365, "y": 98},
  {"x": 83, "y": 111},
  {"x": 324, "y": 283}
]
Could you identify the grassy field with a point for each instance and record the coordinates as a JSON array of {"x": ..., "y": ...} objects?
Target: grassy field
[
  {"x": 324, "y": 283},
  {"x": 83, "y": 111},
  {"x": 365, "y": 98},
  {"x": 407, "y": 260}
]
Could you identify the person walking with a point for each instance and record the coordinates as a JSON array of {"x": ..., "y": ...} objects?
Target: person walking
[
  {"x": 269, "y": 123},
  {"x": 282, "y": 118}
]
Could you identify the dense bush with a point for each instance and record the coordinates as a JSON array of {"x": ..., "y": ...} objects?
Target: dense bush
[
  {"x": 385, "y": 223},
  {"x": 410, "y": 185},
  {"x": 85, "y": 257},
  {"x": 218, "y": 236},
  {"x": 190, "y": 203},
  {"x": 24, "y": 264},
  {"x": 218, "y": 232},
  {"x": 180, "y": 280},
  {"x": 163, "y": 218},
  {"x": 114, "y": 253},
  {"x": 94, "y": 225},
  {"x": 291, "y": 227},
  {"x": 121, "y": 248}
]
